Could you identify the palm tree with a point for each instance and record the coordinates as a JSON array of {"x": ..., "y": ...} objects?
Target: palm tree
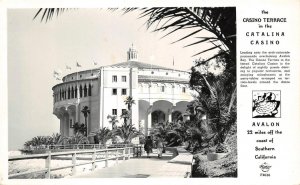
[
  {"x": 126, "y": 132},
  {"x": 56, "y": 139},
  {"x": 78, "y": 138},
  {"x": 79, "y": 128},
  {"x": 217, "y": 105},
  {"x": 125, "y": 115},
  {"x": 129, "y": 102},
  {"x": 103, "y": 135},
  {"x": 113, "y": 120},
  {"x": 85, "y": 112},
  {"x": 218, "y": 21}
]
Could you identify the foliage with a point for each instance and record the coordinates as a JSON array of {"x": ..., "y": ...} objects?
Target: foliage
[
  {"x": 43, "y": 141},
  {"x": 126, "y": 116},
  {"x": 79, "y": 128},
  {"x": 126, "y": 132},
  {"x": 129, "y": 102},
  {"x": 113, "y": 120},
  {"x": 56, "y": 139},
  {"x": 221, "y": 148},
  {"x": 78, "y": 138},
  {"x": 171, "y": 133},
  {"x": 218, "y": 21},
  {"x": 103, "y": 135},
  {"x": 85, "y": 110}
]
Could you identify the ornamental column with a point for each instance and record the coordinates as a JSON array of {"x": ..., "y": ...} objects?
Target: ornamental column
[
  {"x": 149, "y": 121},
  {"x": 170, "y": 111}
]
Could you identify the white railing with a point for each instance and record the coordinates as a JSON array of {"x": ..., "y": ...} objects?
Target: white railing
[
  {"x": 107, "y": 154},
  {"x": 76, "y": 146}
]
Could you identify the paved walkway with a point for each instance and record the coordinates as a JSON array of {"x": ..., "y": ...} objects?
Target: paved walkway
[{"x": 143, "y": 167}]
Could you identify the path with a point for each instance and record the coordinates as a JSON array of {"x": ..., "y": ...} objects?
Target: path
[{"x": 143, "y": 167}]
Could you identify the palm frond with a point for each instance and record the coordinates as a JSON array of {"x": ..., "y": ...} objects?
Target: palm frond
[{"x": 48, "y": 13}]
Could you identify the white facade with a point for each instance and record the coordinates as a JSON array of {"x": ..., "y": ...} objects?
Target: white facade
[{"x": 160, "y": 94}]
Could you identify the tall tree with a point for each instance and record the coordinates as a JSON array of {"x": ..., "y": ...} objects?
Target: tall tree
[
  {"x": 103, "y": 135},
  {"x": 113, "y": 120},
  {"x": 126, "y": 132},
  {"x": 85, "y": 111},
  {"x": 129, "y": 102}
]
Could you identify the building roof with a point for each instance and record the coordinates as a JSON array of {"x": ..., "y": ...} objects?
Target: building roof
[
  {"x": 140, "y": 65},
  {"x": 145, "y": 78}
]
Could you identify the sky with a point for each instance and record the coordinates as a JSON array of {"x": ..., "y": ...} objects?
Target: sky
[{"x": 36, "y": 49}]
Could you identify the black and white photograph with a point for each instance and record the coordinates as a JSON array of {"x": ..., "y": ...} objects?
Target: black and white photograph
[{"x": 122, "y": 92}]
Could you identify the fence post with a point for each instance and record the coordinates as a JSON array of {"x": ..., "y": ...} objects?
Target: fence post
[
  {"x": 93, "y": 160},
  {"x": 48, "y": 165},
  {"x": 124, "y": 154},
  {"x": 74, "y": 163},
  {"x": 129, "y": 153},
  {"x": 106, "y": 157},
  {"x": 117, "y": 156}
]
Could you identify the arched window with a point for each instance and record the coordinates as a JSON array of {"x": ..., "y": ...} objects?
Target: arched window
[
  {"x": 90, "y": 90},
  {"x": 69, "y": 93},
  {"x": 76, "y": 92},
  {"x": 158, "y": 116},
  {"x": 72, "y": 92},
  {"x": 80, "y": 91},
  {"x": 85, "y": 91},
  {"x": 59, "y": 94}
]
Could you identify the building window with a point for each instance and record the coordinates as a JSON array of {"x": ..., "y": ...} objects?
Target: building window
[
  {"x": 85, "y": 91},
  {"x": 114, "y": 78},
  {"x": 152, "y": 72},
  {"x": 114, "y": 112},
  {"x": 90, "y": 90},
  {"x": 71, "y": 123},
  {"x": 183, "y": 89},
  {"x": 123, "y": 78},
  {"x": 124, "y": 91},
  {"x": 114, "y": 92},
  {"x": 162, "y": 88},
  {"x": 80, "y": 76},
  {"x": 80, "y": 91},
  {"x": 167, "y": 73}
]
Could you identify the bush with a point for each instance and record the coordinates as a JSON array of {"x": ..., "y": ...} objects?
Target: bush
[{"x": 221, "y": 148}]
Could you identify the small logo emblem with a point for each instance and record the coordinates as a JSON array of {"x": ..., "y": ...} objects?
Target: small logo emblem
[{"x": 265, "y": 167}]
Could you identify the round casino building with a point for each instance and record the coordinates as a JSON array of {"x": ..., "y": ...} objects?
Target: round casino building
[{"x": 161, "y": 94}]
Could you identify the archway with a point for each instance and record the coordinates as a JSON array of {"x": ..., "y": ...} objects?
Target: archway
[{"x": 158, "y": 116}]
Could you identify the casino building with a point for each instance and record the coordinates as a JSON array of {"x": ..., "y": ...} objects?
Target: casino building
[{"x": 161, "y": 94}]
